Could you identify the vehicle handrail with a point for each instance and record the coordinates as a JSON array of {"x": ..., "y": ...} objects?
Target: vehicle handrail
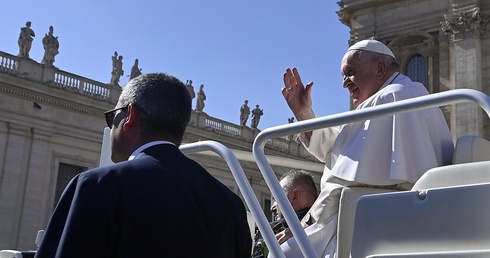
[
  {"x": 432, "y": 100},
  {"x": 243, "y": 185}
]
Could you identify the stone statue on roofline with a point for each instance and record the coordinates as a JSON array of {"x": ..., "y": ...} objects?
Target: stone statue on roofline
[
  {"x": 51, "y": 46},
  {"x": 291, "y": 120},
  {"x": 25, "y": 40},
  {"x": 201, "y": 97},
  {"x": 190, "y": 88},
  {"x": 117, "y": 70},
  {"x": 135, "y": 70},
  {"x": 244, "y": 113},
  {"x": 256, "y": 114}
]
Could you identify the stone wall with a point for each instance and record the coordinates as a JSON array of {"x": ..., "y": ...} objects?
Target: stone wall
[
  {"x": 49, "y": 116},
  {"x": 452, "y": 35}
]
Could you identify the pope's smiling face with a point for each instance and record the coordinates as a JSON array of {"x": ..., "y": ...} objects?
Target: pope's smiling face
[{"x": 359, "y": 74}]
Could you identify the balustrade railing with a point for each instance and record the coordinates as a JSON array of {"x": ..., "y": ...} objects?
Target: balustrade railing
[
  {"x": 222, "y": 126},
  {"x": 7, "y": 63},
  {"x": 52, "y": 76},
  {"x": 66, "y": 82},
  {"x": 81, "y": 85},
  {"x": 206, "y": 122}
]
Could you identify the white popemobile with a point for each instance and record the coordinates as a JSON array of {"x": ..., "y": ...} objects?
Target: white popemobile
[{"x": 446, "y": 214}]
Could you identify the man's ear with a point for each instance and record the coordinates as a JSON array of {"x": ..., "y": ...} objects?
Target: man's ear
[
  {"x": 295, "y": 193},
  {"x": 132, "y": 118},
  {"x": 381, "y": 69}
]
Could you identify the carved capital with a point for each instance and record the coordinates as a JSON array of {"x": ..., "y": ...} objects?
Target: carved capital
[
  {"x": 471, "y": 24},
  {"x": 344, "y": 17}
]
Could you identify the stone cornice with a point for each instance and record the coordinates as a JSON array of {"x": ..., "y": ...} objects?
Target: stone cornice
[
  {"x": 468, "y": 24},
  {"x": 41, "y": 98}
]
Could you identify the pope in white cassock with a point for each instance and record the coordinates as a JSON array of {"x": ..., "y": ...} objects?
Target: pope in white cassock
[{"x": 389, "y": 152}]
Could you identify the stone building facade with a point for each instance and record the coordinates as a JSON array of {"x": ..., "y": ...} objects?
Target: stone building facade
[
  {"x": 51, "y": 121},
  {"x": 51, "y": 128},
  {"x": 444, "y": 44}
]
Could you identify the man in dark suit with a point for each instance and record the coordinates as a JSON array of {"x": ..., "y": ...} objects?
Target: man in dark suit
[{"x": 154, "y": 202}]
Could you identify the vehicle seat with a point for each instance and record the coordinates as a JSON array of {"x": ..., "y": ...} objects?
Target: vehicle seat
[
  {"x": 471, "y": 148},
  {"x": 347, "y": 210},
  {"x": 445, "y": 214},
  {"x": 471, "y": 166},
  {"x": 455, "y": 175},
  {"x": 442, "y": 222}
]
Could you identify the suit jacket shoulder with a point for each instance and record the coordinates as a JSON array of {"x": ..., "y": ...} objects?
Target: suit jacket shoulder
[{"x": 160, "y": 204}]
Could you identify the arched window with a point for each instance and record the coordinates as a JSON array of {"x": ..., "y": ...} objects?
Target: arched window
[{"x": 417, "y": 69}]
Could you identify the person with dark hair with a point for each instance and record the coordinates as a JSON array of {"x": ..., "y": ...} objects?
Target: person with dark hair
[
  {"x": 389, "y": 152},
  {"x": 154, "y": 202}
]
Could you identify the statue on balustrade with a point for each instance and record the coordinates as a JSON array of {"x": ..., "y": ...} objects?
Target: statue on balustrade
[
  {"x": 291, "y": 120},
  {"x": 117, "y": 70},
  {"x": 135, "y": 70},
  {"x": 201, "y": 97},
  {"x": 25, "y": 40},
  {"x": 190, "y": 88},
  {"x": 51, "y": 46},
  {"x": 244, "y": 113},
  {"x": 256, "y": 114}
]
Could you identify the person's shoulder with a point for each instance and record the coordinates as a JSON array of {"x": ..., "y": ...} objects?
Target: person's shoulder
[
  {"x": 225, "y": 190},
  {"x": 111, "y": 177},
  {"x": 106, "y": 171},
  {"x": 95, "y": 173},
  {"x": 403, "y": 89}
]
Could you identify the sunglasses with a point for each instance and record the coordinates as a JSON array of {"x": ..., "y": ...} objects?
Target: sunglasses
[{"x": 110, "y": 114}]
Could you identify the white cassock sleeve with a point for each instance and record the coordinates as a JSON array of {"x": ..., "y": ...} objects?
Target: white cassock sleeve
[
  {"x": 393, "y": 149},
  {"x": 321, "y": 143},
  {"x": 380, "y": 152},
  {"x": 386, "y": 150}
]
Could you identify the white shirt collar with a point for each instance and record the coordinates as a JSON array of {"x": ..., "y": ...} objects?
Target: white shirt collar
[
  {"x": 146, "y": 146},
  {"x": 390, "y": 80},
  {"x": 386, "y": 83}
]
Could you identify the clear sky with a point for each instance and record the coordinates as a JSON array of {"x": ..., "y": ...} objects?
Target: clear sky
[{"x": 238, "y": 49}]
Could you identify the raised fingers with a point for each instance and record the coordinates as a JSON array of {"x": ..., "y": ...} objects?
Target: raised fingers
[
  {"x": 297, "y": 77},
  {"x": 289, "y": 80}
]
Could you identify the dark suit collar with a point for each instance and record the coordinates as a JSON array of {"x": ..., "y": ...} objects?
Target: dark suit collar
[
  {"x": 158, "y": 149},
  {"x": 146, "y": 146}
]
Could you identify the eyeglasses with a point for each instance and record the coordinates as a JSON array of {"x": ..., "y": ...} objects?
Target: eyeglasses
[{"x": 110, "y": 114}]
